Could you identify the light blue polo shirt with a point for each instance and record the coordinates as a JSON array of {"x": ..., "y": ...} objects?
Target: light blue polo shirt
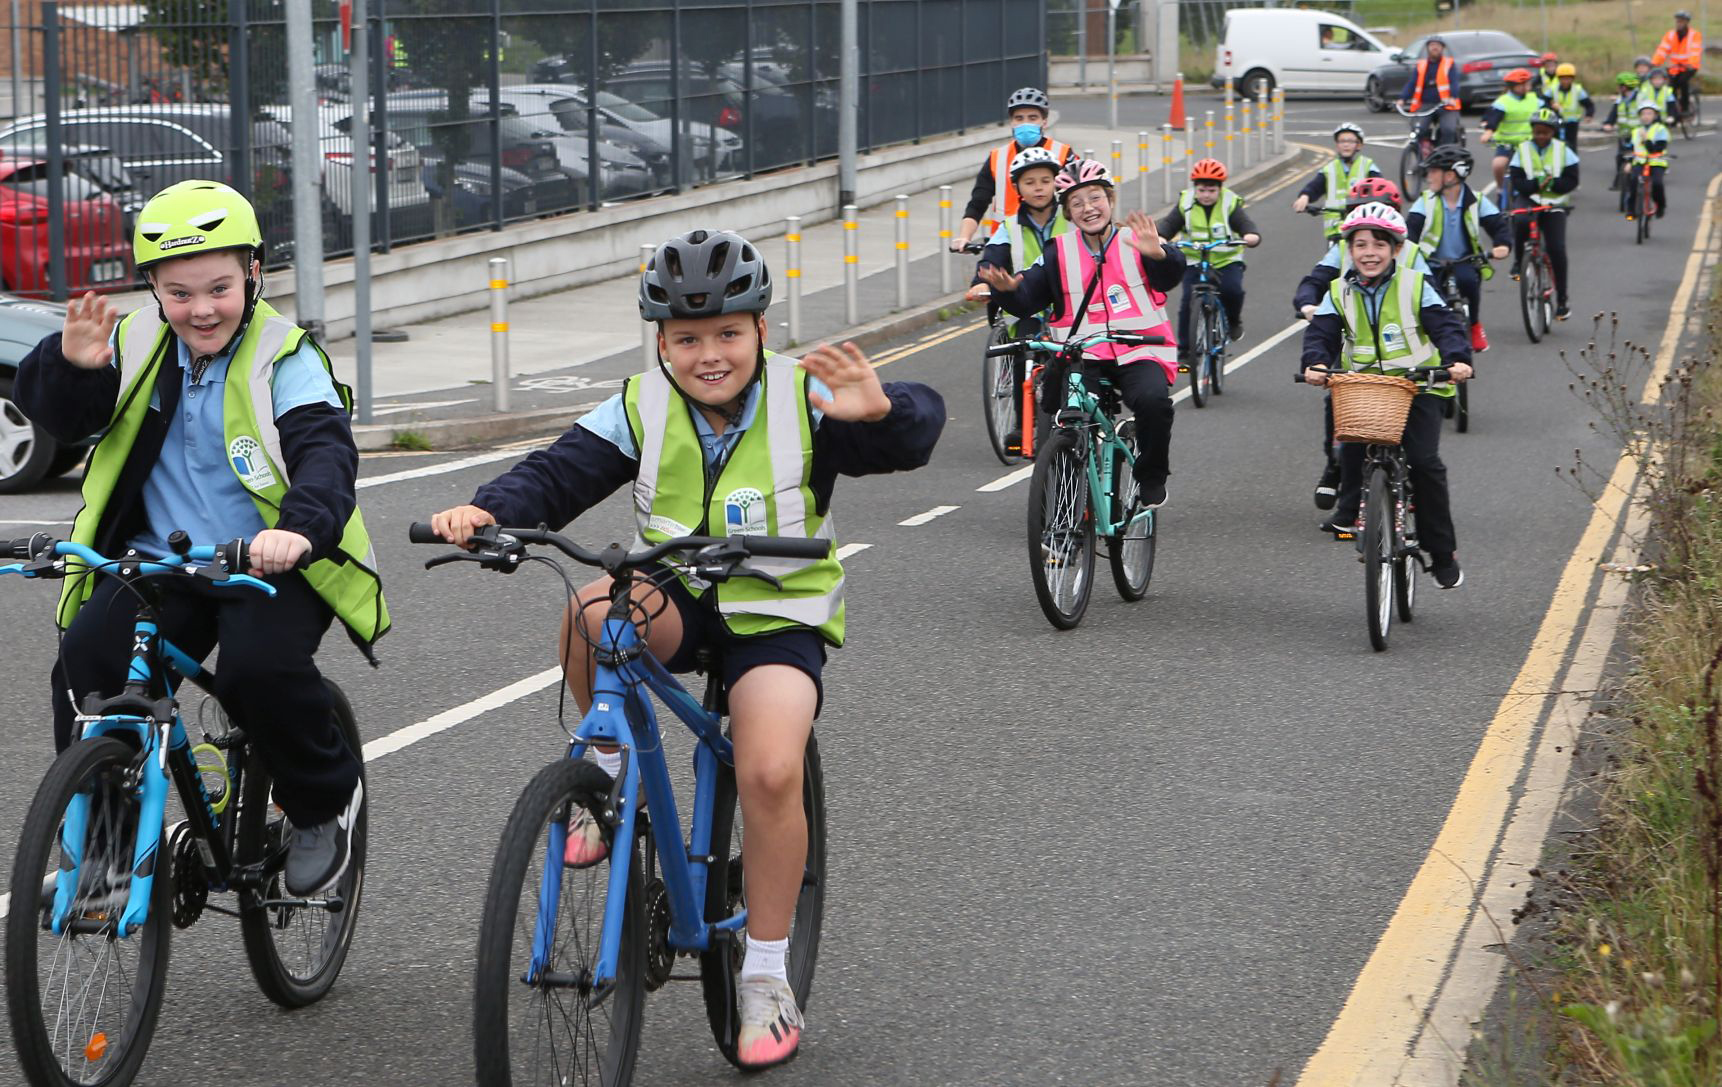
[
  {"x": 1374, "y": 296},
  {"x": 194, "y": 485},
  {"x": 1418, "y": 264},
  {"x": 1454, "y": 244},
  {"x": 609, "y": 421}
]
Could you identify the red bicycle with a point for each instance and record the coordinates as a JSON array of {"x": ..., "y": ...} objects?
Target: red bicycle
[
  {"x": 1643, "y": 202},
  {"x": 1536, "y": 274}
]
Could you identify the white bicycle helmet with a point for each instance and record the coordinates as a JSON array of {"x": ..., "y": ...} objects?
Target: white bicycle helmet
[
  {"x": 1032, "y": 156},
  {"x": 1347, "y": 126}
]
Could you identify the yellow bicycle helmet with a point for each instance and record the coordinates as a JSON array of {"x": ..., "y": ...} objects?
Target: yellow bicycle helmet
[
  {"x": 1566, "y": 70},
  {"x": 193, "y": 217}
]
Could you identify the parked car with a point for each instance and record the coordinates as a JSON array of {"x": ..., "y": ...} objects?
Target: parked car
[
  {"x": 97, "y": 251},
  {"x": 1296, "y": 49},
  {"x": 778, "y": 123},
  {"x": 101, "y": 166},
  {"x": 558, "y": 73},
  {"x": 555, "y": 115},
  {"x": 420, "y": 116},
  {"x": 409, "y": 200},
  {"x": 1482, "y": 57},
  {"x": 28, "y": 454},
  {"x": 471, "y": 197}
]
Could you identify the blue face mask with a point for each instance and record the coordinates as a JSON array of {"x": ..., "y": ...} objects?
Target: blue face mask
[{"x": 1026, "y": 135}]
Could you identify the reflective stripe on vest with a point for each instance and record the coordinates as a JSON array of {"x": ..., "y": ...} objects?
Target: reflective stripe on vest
[
  {"x": 1515, "y": 127},
  {"x": 1005, "y": 198},
  {"x": 349, "y": 585},
  {"x": 1443, "y": 83},
  {"x": 1658, "y": 98},
  {"x": 1682, "y": 54},
  {"x": 1211, "y": 225},
  {"x": 1570, "y": 103},
  {"x": 1546, "y": 167},
  {"x": 1339, "y": 183},
  {"x": 763, "y": 489},
  {"x": 1434, "y": 211},
  {"x": 1123, "y": 302},
  {"x": 1642, "y": 136},
  {"x": 1393, "y": 343}
]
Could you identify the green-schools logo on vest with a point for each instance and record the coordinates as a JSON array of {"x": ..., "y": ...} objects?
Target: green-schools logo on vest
[
  {"x": 348, "y": 581},
  {"x": 763, "y": 489}
]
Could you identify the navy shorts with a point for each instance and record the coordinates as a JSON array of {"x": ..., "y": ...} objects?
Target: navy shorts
[
  {"x": 703, "y": 628},
  {"x": 1504, "y": 151}
]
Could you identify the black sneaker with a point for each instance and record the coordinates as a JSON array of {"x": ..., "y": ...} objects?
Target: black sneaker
[
  {"x": 1342, "y": 528},
  {"x": 1563, "y": 311},
  {"x": 1151, "y": 496},
  {"x": 1515, "y": 271},
  {"x": 1447, "y": 573},
  {"x": 1327, "y": 487},
  {"x": 1237, "y": 331},
  {"x": 1013, "y": 442},
  {"x": 317, "y": 856}
]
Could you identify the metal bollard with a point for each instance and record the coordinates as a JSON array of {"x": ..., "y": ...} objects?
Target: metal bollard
[
  {"x": 499, "y": 331},
  {"x": 1263, "y": 127},
  {"x": 1165, "y": 163},
  {"x": 648, "y": 330},
  {"x": 1230, "y": 158},
  {"x": 1208, "y": 135},
  {"x": 902, "y": 251},
  {"x": 1280, "y": 121},
  {"x": 944, "y": 239},
  {"x": 792, "y": 272},
  {"x": 1118, "y": 162},
  {"x": 1090, "y": 155},
  {"x": 1142, "y": 168},
  {"x": 1244, "y": 122},
  {"x": 851, "y": 267}
]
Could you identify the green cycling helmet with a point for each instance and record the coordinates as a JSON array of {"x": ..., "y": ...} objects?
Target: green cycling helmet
[
  {"x": 193, "y": 217},
  {"x": 1626, "y": 79},
  {"x": 1546, "y": 116}
]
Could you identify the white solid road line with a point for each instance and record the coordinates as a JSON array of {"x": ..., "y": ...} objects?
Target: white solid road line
[
  {"x": 442, "y": 722},
  {"x": 47, "y": 523},
  {"x": 438, "y": 469},
  {"x": 923, "y": 518},
  {"x": 851, "y": 549},
  {"x": 1012, "y": 478}
]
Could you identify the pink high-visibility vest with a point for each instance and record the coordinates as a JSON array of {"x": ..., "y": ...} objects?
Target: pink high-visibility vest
[{"x": 1123, "y": 302}]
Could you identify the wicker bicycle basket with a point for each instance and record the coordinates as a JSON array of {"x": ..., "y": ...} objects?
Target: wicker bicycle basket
[{"x": 1370, "y": 407}]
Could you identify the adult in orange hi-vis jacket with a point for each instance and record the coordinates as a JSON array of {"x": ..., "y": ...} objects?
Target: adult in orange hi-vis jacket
[
  {"x": 994, "y": 198},
  {"x": 1682, "y": 52}
]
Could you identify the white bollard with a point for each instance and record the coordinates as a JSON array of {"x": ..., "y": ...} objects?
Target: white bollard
[
  {"x": 499, "y": 332},
  {"x": 1230, "y": 158},
  {"x": 851, "y": 266},
  {"x": 1165, "y": 163},
  {"x": 944, "y": 239},
  {"x": 1117, "y": 162},
  {"x": 1142, "y": 169},
  {"x": 792, "y": 273},
  {"x": 902, "y": 251},
  {"x": 1208, "y": 135}
]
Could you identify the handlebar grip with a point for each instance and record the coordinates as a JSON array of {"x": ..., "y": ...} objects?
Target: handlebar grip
[
  {"x": 1001, "y": 349},
  {"x": 784, "y": 547},
  {"x": 27, "y": 547},
  {"x": 421, "y": 533},
  {"x": 1297, "y": 378}
]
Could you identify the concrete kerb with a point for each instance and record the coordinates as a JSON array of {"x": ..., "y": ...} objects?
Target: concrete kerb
[{"x": 496, "y": 428}]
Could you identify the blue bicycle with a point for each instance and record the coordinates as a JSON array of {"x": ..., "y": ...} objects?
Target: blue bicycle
[
  {"x": 1210, "y": 334},
  {"x": 96, "y": 893},
  {"x": 567, "y": 954}
]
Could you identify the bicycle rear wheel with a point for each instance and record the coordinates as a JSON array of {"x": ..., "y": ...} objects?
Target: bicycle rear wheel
[
  {"x": 1001, "y": 397},
  {"x": 1645, "y": 203},
  {"x": 83, "y": 1003},
  {"x": 720, "y": 967},
  {"x": 551, "y": 1026},
  {"x": 1378, "y": 558},
  {"x": 296, "y": 952},
  {"x": 1531, "y": 294},
  {"x": 1061, "y": 530},
  {"x": 1131, "y": 548},
  {"x": 1201, "y": 347},
  {"x": 1410, "y": 171},
  {"x": 1223, "y": 338}
]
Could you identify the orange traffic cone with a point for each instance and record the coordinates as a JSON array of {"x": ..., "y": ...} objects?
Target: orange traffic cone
[{"x": 1177, "y": 117}]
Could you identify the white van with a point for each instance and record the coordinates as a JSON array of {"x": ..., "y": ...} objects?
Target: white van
[{"x": 1297, "y": 50}]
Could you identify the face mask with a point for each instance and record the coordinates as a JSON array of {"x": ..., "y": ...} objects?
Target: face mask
[{"x": 1026, "y": 135}]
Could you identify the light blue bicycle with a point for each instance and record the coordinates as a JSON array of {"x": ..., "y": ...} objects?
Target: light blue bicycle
[{"x": 567, "y": 954}]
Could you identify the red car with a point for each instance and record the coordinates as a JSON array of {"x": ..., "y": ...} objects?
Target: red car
[{"x": 98, "y": 253}]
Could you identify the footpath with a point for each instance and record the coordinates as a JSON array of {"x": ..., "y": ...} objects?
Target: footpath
[{"x": 571, "y": 349}]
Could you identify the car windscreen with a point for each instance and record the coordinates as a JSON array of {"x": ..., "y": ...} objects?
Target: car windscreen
[
  {"x": 628, "y": 111},
  {"x": 33, "y": 179}
]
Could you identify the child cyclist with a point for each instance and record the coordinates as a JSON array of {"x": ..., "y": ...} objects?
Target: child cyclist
[
  {"x": 1385, "y": 317},
  {"x": 1649, "y": 145},
  {"x": 1332, "y": 183},
  {"x": 718, "y": 417},
  {"x": 1207, "y": 212},
  {"x": 1450, "y": 221},
  {"x": 1545, "y": 171},
  {"x": 1100, "y": 276},
  {"x": 223, "y": 419},
  {"x": 1621, "y": 120},
  {"x": 1507, "y": 121},
  {"x": 1572, "y": 102}
]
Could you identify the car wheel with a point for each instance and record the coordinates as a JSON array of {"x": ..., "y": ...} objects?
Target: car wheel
[
  {"x": 26, "y": 450},
  {"x": 1258, "y": 83},
  {"x": 1373, "y": 97}
]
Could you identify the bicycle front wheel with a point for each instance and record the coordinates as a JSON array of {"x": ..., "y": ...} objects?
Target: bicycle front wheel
[
  {"x": 1378, "y": 558},
  {"x": 1410, "y": 171},
  {"x": 1222, "y": 338},
  {"x": 1200, "y": 351},
  {"x": 83, "y": 1002},
  {"x": 296, "y": 952},
  {"x": 1531, "y": 294},
  {"x": 1001, "y": 397},
  {"x": 538, "y": 1019},
  {"x": 720, "y": 967},
  {"x": 1061, "y": 530},
  {"x": 1131, "y": 548},
  {"x": 1462, "y": 414}
]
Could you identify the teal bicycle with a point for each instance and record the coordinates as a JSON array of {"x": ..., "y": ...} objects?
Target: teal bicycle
[{"x": 1083, "y": 487}]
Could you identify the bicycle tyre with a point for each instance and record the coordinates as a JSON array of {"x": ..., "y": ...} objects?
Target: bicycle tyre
[
  {"x": 1378, "y": 559},
  {"x": 1061, "y": 530},
  {"x": 265, "y": 930},
  {"x": 506, "y": 935},
  {"x": 1530, "y": 293},
  {"x": 1406, "y": 567},
  {"x": 1462, "y": 413},
  {"x": 99, "y": 763},
  {"x": 1410, "y": 172},
  {"x": 720, "y": 967},
  {"x": 1198, "y": 356},
  {"x": 1130, "y": 549},
  {"x": 1645, "y": 203},
  {"x": 1000, "y": 396},
  {"x": 1222, "y": 335}
]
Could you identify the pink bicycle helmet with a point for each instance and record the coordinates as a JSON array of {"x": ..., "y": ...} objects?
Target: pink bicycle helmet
[
  {"x": 1077, "y": 173},
  {"x": 1375, "y": 216}
]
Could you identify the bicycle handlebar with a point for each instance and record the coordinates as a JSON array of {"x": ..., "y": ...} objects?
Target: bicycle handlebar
[
  {"x": 1433, "y": 375},
  {"x": 42, "y": 555},
  {"x": 1399, "y": 107},
  {"x": 1440, "y": 263},
  {"x": 1127, "y": 339},
  {"x": 502, "y": 548}
]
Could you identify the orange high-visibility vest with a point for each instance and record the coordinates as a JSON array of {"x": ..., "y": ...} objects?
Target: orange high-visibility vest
[
  {"x": 1680, "y": 54},
  {"x": 1004, "y": 193},
  {"x": 1443, "y": 83}
]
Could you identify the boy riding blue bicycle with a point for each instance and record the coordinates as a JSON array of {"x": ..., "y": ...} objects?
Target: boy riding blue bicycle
[
  {"x": 1208, "y": 212},
  {"x": 726, "y": 439}
]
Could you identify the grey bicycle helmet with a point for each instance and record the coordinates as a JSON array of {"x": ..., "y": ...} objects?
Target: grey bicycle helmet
[
  {"x": 1028, "y": 96},
  {"x": 1654, "y": 72},
  {"x": 704, "y": 273},
  {"x": 1347, "y": 126},
  {"x": 1433, "y": 38},
  {"x": 1641, "y": 59},
  {"x": 1450, "y": 157},
  {"x": 1031, "y": 157}
]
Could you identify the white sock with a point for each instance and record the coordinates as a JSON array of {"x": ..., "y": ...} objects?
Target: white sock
[
  {"x": 765, "y": 959},
  {"x": 610, "y": 762}
]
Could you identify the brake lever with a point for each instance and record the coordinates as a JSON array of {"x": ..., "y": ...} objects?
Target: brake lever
[
  {"x": 444, "y": 560},
  {"x": 759, "y": 575}
]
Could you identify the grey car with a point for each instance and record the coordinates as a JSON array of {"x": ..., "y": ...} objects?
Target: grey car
[
  {"x": 1481, "y": 59},
  {"x": 28, "y": 454}
]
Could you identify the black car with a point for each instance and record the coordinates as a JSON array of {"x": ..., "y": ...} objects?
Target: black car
[
  {"x": 780, "y": 125},
  {"x": 27, "y": 453},
  {"x": 472, "y": 193},
  {"x": 1481, "y": 59}
]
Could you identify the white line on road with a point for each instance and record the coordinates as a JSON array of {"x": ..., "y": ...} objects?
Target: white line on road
[
  {"x": 447, "y": 719},
  {"x": 9, "y": 522},
  {"x": 5, "y": 904},
  {"x": 396, "y": 409},
  {"x": 851, "y": 549},
  {"x": 439, "y": 469},
  {"x": 923, "y": 518}
]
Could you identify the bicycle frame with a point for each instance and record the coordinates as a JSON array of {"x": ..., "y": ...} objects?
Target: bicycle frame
[
  {"x": 620, "y": 715},
  {"x": 1083, "y": 409},
  {"x": 164, "y": 748}
]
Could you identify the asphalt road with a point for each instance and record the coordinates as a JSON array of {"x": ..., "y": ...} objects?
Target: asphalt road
[{"x": 1155, "y": 850}]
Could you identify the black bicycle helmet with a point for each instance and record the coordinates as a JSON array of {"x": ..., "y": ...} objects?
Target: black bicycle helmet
[
  {"x": 1028, "y": 96},
  {"x": 1451, "y": 157},
  {"x": 704, "y": 273}
]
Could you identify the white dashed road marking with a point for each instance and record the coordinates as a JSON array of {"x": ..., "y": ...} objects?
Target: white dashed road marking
[{"x": 923, "y": 518}]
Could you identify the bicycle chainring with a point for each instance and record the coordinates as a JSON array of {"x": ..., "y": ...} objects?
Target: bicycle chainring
[
  {"x": 190, "y": 883},
  {"x": 660, "y": 957}
]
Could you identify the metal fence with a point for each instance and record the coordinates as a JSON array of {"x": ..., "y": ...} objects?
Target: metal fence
[{"x": 483, "y": 112}]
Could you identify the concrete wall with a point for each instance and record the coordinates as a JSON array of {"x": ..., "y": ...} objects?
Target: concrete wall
[{"x": 1135, "y": 68}]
